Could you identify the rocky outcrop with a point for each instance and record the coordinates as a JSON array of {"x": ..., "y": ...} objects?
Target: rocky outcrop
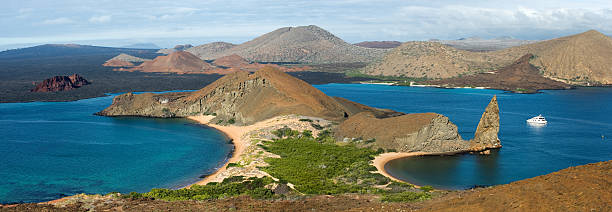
[
  {"x": 420, "y": 132},
  {"x": 238, "y": 98},
  {"x": 426, "y": 132},
  {"x": 488, "y": 127},
  {"x": 60, "y": 83}
]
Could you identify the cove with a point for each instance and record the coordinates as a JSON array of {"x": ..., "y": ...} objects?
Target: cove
[
  {"x": 53, "y": 149},
  {"x": 579, "y": 131}
]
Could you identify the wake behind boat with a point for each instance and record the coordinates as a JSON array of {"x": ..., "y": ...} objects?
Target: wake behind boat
[{"x": 537, "y": 120}]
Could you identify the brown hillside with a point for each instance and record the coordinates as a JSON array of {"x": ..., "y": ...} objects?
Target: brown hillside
[
  {"x": 578, "y": 59},
  {"x": 520, "y": 76},
  {"x": 580, "y": 188},
  {"x": 118, "y": 63},
  {"x": 434, "y": 60},
  {"x": 304, "y": 44},
  {"x": 231, "y": 61},
  {"x": 176, "y": 62},
  {"x": 379, "y": 44},
  {"x": 242, "y": 97},
  {"x": 205, "y": 51}
]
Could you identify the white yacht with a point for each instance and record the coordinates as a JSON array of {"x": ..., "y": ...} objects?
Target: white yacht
[{"x": 537, "y": 120}]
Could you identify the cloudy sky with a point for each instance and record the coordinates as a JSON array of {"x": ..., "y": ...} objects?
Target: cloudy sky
[{"x": 167, "y": 22}]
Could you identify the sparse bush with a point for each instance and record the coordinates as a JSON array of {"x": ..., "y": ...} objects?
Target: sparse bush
[
  {"x": 317, "y": 126},
  {"x": 406, "y": 196},
  {"x": 427, "y": 188}
]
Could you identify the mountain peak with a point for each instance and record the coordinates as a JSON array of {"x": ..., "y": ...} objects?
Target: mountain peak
[{"x": 304, "y": 44}]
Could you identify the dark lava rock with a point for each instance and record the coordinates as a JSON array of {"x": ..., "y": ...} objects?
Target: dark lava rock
[{"x": 60, "y": 83}]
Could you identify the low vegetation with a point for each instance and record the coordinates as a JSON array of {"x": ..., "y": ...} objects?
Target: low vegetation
[
  {"x": 320, "y": 166},
  {"x": 313, "y": 165},
  {"x": 230, "y": 187}
]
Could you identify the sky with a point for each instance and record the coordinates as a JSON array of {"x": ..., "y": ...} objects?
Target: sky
[{"x": 167, "y": 22}]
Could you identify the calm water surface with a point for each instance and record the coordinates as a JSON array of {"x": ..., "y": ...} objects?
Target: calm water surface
[
  {"x": 577, "y": 120},
  {"x": 52, "y": 149}
]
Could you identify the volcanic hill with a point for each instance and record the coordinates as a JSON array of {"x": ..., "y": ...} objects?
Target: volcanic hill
[
  {"x": 420, "y": 59},
  {"x": 303, "y": 44},
  {"x": 581, "y": 59},
  {"x": 176, "y": 48},
  {"x": 206, "y": 51},
  {"x": 242, "y": 98},
  {"x": 123, "y": 60},
  {"x": 520, "y": 77},
  {"x": 177, "y": 62}
]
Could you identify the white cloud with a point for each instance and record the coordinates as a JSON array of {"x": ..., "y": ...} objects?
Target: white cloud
[
  {"x": 100, "y": 19},
  {"x": 62, "y": 20}
]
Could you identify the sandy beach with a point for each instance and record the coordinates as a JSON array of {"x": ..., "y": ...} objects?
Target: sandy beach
[
  {"x": 235, "y": 133},
  {"x": 382, "y": 159},
  {"x": 246, "y": 152}
]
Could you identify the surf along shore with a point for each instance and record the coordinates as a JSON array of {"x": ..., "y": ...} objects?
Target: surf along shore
[{"x": 245, "y": 137}]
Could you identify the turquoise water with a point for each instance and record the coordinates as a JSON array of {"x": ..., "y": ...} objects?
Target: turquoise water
[
  {"x": 53, "y": 149},
  {"x": 577, "y": 120},
  {"x": 50, "y": 150}
]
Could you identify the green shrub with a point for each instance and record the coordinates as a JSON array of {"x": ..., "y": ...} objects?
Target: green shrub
[
  {"x": 285, "y": 132},
  {"x": 427, "y": 188},
  {"x": 233, "y": 165},
  {"x": 307, "y": 134},
  {"x": 233, "y": 186},
  {"x": 321, "y": 168},
  {"x": 231, "y": 121},
  {"x": 306, "y": 120},
  {"x": 406, "y": 196},
  {"x": 220, "y": 121},
  {"x": 317, "y": 126}
]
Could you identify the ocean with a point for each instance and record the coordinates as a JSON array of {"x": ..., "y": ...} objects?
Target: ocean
[
  {"x": 49, "y": 150},
  {"x": 579, "y": 131}
]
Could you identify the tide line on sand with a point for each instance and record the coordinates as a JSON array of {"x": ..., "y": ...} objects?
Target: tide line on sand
[{"x": 235, "y": 133}]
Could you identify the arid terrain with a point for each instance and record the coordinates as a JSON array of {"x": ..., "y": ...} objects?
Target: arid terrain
[
  {"x": 519, "y": 77},
  {"x": 379, "y": 44},
  {"x": 304, "y": 44},
  {"x": 578, "y": 59}
]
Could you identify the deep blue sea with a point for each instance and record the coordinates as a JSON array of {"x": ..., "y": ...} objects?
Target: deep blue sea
[
  {"x": 579, "y": 131},
  {"x": 52, "y": 149}
]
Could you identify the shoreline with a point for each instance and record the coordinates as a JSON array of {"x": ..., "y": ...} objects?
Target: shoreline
[
  {"x": 234, "y": 133},
  {"x": 381, "y": 160}
]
